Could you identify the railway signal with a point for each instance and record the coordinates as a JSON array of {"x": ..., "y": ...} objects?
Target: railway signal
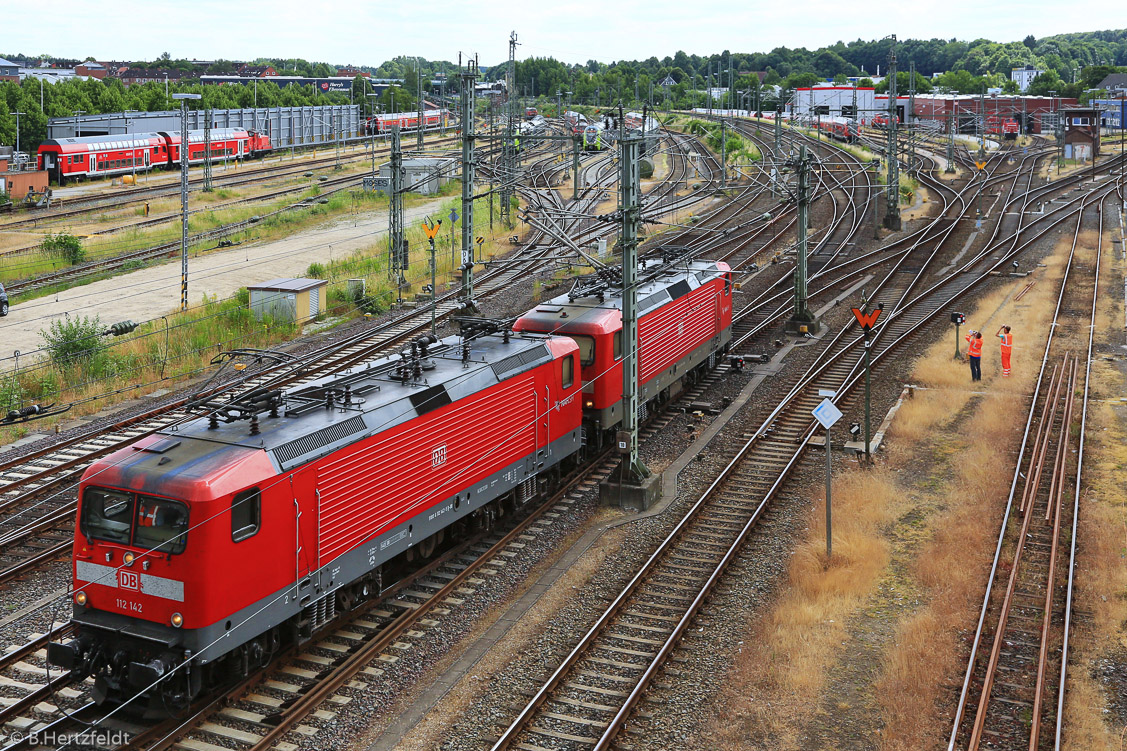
[
  {"x": 958, "y": 319},
  {"x": 431, "y": 231},
  {"x": 827, "y": 413},
  {"x": 867, "y": 319}
]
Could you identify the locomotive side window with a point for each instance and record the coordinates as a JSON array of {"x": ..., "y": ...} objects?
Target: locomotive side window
[
  {"x": 162, "y": 525},
  {"x": 107, "y": 514},
  {"x": 618, "y": 345},
  {"x": 586, "y": 348},
  {"x": 246, "y": 514},
  {"x": 567, "y": 371}
]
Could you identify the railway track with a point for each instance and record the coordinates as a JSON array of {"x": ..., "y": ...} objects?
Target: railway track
[
  {"x": 82, "y": 205},
  {"x": 37, "y": 513},
  {"x": 587, "y": 700},
  {"x": 1016, "y": 672}
]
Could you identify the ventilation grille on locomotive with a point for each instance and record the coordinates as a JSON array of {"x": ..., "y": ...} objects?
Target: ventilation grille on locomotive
[
  {"x": 502, "y": 367},
  {"x": 287, "y": 452}
]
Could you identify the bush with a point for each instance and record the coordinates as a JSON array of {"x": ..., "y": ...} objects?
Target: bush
[
  {"x": 64, "y": 246},
  {"x": 75, "y": 340},
  {"x": 316, "y": 271}
]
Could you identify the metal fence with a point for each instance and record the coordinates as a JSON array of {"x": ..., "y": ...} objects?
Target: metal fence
[{"x": 286, "y": 126}]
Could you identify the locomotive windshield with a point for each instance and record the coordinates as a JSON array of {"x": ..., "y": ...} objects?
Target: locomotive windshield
[
  {"x": 586, "y": 348},
  {"x": 144, "y": 521}
]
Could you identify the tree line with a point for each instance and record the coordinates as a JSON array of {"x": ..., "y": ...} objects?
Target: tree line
[{"x": 1072, "y": 64}]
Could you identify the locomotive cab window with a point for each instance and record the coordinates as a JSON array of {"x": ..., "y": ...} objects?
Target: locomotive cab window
[
  {"x": 107, "y": 514},
  {"x": 246, "y": 514},
  {"x": 586, "y": 348},
  {"x": 567, "y": 371},
  {"x": 162, "y": 525}
]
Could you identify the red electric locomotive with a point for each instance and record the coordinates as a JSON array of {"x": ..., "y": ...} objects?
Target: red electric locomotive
[
  {"x": 684, "y": 326},
  {"x": 200, "y": 550}
]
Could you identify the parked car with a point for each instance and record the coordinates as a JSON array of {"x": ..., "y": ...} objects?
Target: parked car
[{"x": 3, "y": 301}]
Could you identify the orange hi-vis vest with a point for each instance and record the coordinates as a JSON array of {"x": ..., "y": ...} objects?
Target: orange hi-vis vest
[
  {"x": 1007, "y": 342},
  {"x": 974, "y": 347}
]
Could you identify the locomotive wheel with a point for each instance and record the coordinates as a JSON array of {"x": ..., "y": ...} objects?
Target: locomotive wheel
[{"x": 174, "y": 695}]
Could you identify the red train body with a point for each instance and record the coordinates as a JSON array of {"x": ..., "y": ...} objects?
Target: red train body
[
  {"x": 98, "y": 156},
  {"x": 201, "y": 550},
  {"x": 1006, "y": 127},
  {"x": 381, "y": 124},
  {"x": 839, "y": 128},
  {"x": 684, "y": 326},
  {"x": 223, "y": 542}
]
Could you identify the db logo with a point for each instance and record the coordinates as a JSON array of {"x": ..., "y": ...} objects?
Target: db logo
[
  {"x": 438, "y": 456},
  {"x": 129, "y": 580}
]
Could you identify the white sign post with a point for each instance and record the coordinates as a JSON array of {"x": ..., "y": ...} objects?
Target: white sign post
[{"x": 827, "y": 414}]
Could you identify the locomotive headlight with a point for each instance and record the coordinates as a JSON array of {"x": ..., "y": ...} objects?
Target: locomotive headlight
[
  {"x": 80, "y": 597},
  {"x": 177, "y": 620},
  {"x": 128, "y": 558}
]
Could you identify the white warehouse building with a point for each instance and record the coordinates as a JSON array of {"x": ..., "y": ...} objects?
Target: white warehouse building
[{"x": 833, "y": 101}]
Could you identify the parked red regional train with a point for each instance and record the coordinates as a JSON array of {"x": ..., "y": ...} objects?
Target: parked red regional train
[
  {"x": 97, "y": 156},
  {"x": 405, "y": 120},
  {"x": 203, "y": 549},
  {"x": 841, "y": 128}
]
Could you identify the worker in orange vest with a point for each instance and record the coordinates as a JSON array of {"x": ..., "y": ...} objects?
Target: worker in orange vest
[
  {"x": 1007, "y": 346},
  {"x": 974, "y": 354}
]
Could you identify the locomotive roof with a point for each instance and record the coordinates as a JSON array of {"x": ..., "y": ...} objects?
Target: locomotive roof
[
  {"x": 596, "y": 314},
  {"x": 307, "y": 429}
]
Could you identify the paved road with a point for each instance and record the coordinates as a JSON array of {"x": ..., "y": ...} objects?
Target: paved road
[{"x": 155, "y": 291}]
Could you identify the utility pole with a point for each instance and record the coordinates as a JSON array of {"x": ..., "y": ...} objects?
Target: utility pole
[
  {"x": 419, "y": 91},
  {"x": 775, "y": 176},
  {"x": 802, "y": 320},
  {"x": 575, "y": 167},
  {"x": 508, "y": 151},
  {"x": 950, "y": 170},
  {"x": 723, "y": 155},
  {"x": 207, "y": 151},
  {"x": 17, "y": 114},
  {"x": 184, "y": 196},
  {"x": 396, "y": 242},
  {"x": 469, "y": 76},
  {"x": 633, "y": 473},
  {"x": 909, "y": 118},
  {"x": 338, "y": 134},
  {"x": 892, "y": 213}
]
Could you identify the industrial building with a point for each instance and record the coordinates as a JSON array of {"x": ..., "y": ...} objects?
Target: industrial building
[{"x": 965, "y": 113}]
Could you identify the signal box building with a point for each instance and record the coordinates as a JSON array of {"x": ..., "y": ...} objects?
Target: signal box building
[
  {"x": 288, "y": 299},
  {"x": 1081, "y": 133}
]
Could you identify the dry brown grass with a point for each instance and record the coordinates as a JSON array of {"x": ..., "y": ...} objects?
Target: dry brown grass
[
  {"x": 956, "y": 496},
  {"x": 781, "y": 673}
]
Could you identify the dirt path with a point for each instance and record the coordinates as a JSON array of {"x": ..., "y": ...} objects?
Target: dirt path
[{"x": 152, "y": 292}]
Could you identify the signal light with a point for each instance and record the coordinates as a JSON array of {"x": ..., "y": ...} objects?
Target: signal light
[
  {"x": 958, "y": 318},
  {"x": 80, "y": 597}
]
